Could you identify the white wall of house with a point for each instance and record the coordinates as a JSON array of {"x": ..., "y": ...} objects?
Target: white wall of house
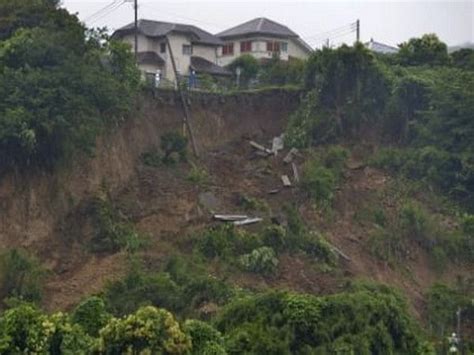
[
  {"x": 259, "y": 49},
  {"x": 206, "y": 52}
]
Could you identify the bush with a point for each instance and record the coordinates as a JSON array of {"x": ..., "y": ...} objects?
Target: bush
[
  {"x": 152, "y": 158},
  {"x": 315, "y": 246},
  {"x": 275, "y": 237},
  {"x": 21, "y": 276},
  {"x": 204, "y": 337},
  {"x": 91, "y": 315},
  {"x": 173, "y": 142},
  {"x": 198, "y": 175},
  {"x": 149, "y": 330},
  {"x": 227, "y": 241},
  {"x": 112, "y": 232},
  {"x": 319, "y": 183},
  {"x": 261, "y": 261}
]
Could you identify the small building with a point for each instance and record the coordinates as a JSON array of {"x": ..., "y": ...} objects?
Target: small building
[
  {"x": 381, "y": 48},
  {"x": 192, "y": 48},
  {"x": 261, "y": 38}
]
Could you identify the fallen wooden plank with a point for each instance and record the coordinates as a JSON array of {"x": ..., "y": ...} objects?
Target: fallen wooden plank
[
  {"x": 260, "y": 147},
  {"x": 289, "y": 157},
  {"x": 274, "y": 191},
  {"x": 230, "y": 217},
  {"x": 296, "y": 174},
  {"x": 248, "y": 221},
  {"x": 286, "y": 180},
  {"x": 338, "y": 251}
]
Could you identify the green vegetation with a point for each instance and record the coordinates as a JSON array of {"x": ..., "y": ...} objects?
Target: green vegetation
[
  {"x": 60, "y": 84},
  {"x": 173, "y": 143},
  {"x": 261, "y": 260},
  {"x": 322, "y": 173},
  {"x": 21, "y": 276},
  {"x": 198, "y": 175},
  {"x": 113, "y": 232}
]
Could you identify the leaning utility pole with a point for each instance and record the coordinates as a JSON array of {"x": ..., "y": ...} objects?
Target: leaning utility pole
[
  {"x": 358, "y": 30},
  {"x": 136, "y": 28}
]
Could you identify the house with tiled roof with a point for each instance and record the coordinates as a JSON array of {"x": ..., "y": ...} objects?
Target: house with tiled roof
[
  {"x": 261, "y": 38},
  {"x": 192, "y": 48}
]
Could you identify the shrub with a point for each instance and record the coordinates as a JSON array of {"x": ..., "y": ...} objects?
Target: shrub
[
  {"x": 112, "y": 232},
  {"x": 275, "y": 238},
  {"x": 173, "y": 142},
  {"x": 21, "y": 276},
  {"x": 198, "y": 175},
  {"x": 149, "y": 330},
  {"x": 152, "y": 158},
  {"x": 204, "y": 337},
  {"x": 315, "y": 246},
  {"x": 262, "y": 261},
  {"x": 91, "y": 315},
  {"x": 415, "y": 224},
  {"x": 319, "y": 183}
]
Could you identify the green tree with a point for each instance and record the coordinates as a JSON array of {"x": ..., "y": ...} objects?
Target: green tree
[
  {"x": 425, "y": 50},
  {"x": 150, "y": 330}
]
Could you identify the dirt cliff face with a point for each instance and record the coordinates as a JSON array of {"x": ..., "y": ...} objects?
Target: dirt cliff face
[{"x": 33, "y": 207}]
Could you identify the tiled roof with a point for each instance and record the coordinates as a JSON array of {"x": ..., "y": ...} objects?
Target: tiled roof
[
  {"x": 201, "y": 65},
  {"x": 259, "y": 25},
  {"x": 160, "y": 29}
]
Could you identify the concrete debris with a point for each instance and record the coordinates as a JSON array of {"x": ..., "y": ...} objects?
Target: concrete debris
[
  {"x": 295, "y": 172},
  {"x": 277, "y": 144},
  {"x": 230, "y": 217},
  {"x": 286, "y": 180},
  {"x": 274, "y": 191},
  {"x": 248, "y": 221},
  {"x": 260, "y": 148},
  {"x": 291, "y": 154}
]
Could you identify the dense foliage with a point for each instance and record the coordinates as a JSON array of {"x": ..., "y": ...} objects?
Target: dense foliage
[
  {"x": 59, "y": 84},
  {"x": 416, "y": 100}
]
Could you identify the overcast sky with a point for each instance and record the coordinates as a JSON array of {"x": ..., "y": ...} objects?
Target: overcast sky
[{"x": 391, "y": 22}]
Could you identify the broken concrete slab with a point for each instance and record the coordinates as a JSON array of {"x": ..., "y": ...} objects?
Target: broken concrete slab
[
  {"x": 277, "y": 144},
  {"x": 286, "y": 181}
]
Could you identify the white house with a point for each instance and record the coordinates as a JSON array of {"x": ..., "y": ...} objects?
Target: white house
[
  {"x": 261, "y": 38},
  {"x": 379, "y": 47},
  {"x": 192, "y": 48}
]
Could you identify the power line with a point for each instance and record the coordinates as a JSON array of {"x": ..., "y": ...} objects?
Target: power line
[
  {"x": 105, "y": 8},
  {"x": 160, "y": 11},
  {"x": 351, "y": 27},
  {"x": 112, "y": 9}
]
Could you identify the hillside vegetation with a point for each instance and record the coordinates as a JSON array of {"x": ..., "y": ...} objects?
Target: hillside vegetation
[{"x": 344, "y": 262}]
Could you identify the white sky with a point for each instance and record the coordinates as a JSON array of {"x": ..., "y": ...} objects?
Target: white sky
[{"x": 390, "y": 22}]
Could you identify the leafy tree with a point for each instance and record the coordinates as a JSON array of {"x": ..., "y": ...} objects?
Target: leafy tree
[
  {"x": 249, "y": 67},
  {"x": 59, "y": 85},
  {"x": 463, "y": 58},
  {"x": 91, "y": 315},
  {"x": 150, "y": 330},
  {"x": 425, "y": 50},
  {"x": 205, "y": 338}
]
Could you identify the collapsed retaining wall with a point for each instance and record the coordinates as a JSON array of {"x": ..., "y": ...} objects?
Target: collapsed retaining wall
[{"x": 31, "y": 206}]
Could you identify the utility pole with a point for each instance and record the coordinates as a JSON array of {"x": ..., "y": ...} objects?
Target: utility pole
[
  {"x": 358, "y": 30},
  {"x": 136, "y": 28}
]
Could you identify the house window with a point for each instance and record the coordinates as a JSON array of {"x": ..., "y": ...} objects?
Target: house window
[
  {"x": 245, "y": 46},
  {"x": 284, "y": 47},
  {"x": 187, "y": 49},
  {"x": 273, "y": 46},
  {"x": 163, "y": 47},
  {"x": 228, "y": 49}
]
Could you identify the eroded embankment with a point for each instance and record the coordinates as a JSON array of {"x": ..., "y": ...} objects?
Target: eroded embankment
[{"x": 33, "y": 207}]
